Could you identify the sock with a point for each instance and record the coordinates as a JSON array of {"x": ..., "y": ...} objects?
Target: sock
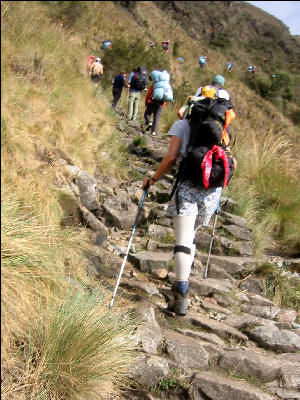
[{"x": 181, "y": 286}]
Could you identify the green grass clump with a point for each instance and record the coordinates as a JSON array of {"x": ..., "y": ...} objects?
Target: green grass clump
[
  {"x": 139, "y": 141},
  {"x": 166, "y": 386}
]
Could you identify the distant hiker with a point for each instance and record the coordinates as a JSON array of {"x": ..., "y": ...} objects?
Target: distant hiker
[
  {"x": 106, "y": 45},
  {"x": 166, "y": 45},
  {"x": 90, "y": 61},
  {"x": 214, "y": 90},
  {"x": 202, "y": 61},
  {"x": 96, "y": 71},
  {"x": 154, "y": 107},
  {"x": 118, "y": 83},
  {"x": 153, "y": 44},
  {"x": 137, "y": 82},
  {"x": 229, "y": 66},
  {"x": 194, "y": 200},
  {"x": 252, "y": 69}
]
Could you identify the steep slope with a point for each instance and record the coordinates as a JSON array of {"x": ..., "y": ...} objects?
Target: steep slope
[
  {"x": 259, "y": 120},
  {"x": 61, "y": 142}
]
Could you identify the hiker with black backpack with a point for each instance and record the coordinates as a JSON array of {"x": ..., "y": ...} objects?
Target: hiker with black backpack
[
  {"x": 214, "y": 90},
  {"x": 137, "y": 82},
  {"x": 201, "y": 143},
  {"x": 118, "y": 83}
]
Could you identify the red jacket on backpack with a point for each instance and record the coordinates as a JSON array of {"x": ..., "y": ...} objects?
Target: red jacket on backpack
[{"x": 149, "y": 98}]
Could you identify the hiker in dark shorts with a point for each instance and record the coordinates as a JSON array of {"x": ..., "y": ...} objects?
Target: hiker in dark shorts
[{"x": 118, "y": 83}]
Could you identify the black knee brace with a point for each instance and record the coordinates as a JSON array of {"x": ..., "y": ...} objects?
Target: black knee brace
[{"x": 182, "y": 249}]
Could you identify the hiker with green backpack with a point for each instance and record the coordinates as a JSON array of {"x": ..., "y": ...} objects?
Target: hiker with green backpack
[{"x": 201, "y": 143}]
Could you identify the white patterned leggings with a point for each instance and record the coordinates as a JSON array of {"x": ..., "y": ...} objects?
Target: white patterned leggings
[
  {"x": 184, "y": 228},
  {"x": 192, "y": 203}
]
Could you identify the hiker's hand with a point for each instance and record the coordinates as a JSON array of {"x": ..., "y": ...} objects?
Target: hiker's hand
[
  {"x": 181, "y": 112},
  {"x": 148, "y": 182},
  {"x": 235, "y": 163}
]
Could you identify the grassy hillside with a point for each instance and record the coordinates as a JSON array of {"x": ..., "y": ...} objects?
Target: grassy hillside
[
  {"x": 267, "y": 139},
  {"x": 50, "y": 108}
]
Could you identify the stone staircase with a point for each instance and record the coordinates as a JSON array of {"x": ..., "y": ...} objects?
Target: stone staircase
[{"x": 234, "y": 343}]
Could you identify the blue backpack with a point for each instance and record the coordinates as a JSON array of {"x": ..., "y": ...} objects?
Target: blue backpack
[{"x": 162, "y": 89}]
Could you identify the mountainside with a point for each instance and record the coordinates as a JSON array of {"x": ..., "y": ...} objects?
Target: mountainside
[
  {"x": 267, "y": 108},
  {"x": 72, "y": 171},
  {"x": 243, "y": 31}
]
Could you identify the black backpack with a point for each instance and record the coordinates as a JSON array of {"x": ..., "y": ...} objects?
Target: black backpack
[
  {"x": 140, "y": 78},
  {"x": 207, "y": 164}
]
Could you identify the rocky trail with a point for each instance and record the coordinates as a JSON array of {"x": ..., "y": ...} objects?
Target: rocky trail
[{"x": 234, "y": 343}]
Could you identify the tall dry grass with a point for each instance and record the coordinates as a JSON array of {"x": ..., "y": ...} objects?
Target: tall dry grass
[
  {"x": 49, "y": 104},
  {"x": 47, "y": 94},
  {"x": 267, "y": 188},
  {"x": 57, "y": 337},
  {"x": 57, "y": 327}
]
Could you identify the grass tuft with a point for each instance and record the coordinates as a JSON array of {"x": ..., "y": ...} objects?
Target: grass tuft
[{"x": 62, "y": 334}]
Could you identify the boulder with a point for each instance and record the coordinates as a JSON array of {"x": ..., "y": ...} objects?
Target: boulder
[
  {"x": 249, "y": 363},
  {"x": 239, "y": 232},
  {"x": 268, "y": 312},
  {"x": 134, "y": 283},
  {"x": 211, "y": 325},
  {"x": 230, "y": 264},
  {"x": 120, "y": 212},
  {"x": 210, "y": 385},
  {"x": 187, "y": 353},
  {"x": 87, "y": 186},
  {"x": 209, "y": 286},
  {"x": 280, "y": 341},
  {"x": 149, "y": 261},
  {"x": 290, "y": 376},
  {"x": 147, "y": 369}
]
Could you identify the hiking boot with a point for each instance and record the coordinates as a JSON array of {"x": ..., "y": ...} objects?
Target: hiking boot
[
  {"x": 179, "y": 303},
  {"x": 148, "y": 127},
  {"x": 153, "y": 133}
]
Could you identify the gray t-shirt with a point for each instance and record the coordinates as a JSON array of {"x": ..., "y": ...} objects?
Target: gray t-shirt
[{"x": 181, "y": 129}]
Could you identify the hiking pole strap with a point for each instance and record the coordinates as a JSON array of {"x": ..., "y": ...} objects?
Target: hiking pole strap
[
  {"x": 212, "y": 238},
  {"x": 128, "y": 247}
]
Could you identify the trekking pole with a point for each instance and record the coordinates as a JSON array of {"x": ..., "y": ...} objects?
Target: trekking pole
[
  {"x": 128, "y": 247},
  {"x": 212, "y": 238}
]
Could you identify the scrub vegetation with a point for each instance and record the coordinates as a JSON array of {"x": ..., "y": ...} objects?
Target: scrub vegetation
[{"x": 59, "y": 341}]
